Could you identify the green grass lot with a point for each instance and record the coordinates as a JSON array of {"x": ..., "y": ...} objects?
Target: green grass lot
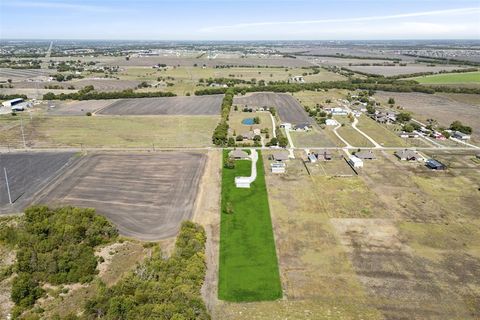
[
  {"x": 248, "y": 268},
  {"x": 450, "y": 78},
  {"x": 115, "y": 131}
]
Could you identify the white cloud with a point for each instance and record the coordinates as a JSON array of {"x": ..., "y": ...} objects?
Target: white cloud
[{"x": 449, "y": 12}]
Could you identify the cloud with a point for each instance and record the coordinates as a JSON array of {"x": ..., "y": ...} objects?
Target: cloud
[
  {"x": 459, "y": 11},
  {"x": 57, "y": 5}
]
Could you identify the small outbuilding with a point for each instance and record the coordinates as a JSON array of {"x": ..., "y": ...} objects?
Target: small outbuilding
[
  {"x": 238, "y": 155},
  {"x": 435, "y": 164},
  {"x": 331, "y": 122},
  {"x": 278, "y": 167},
  {"x": 355, "y": 162},
  {"x": 461, "y": 135},
  {"x": 312, "y": 158}
]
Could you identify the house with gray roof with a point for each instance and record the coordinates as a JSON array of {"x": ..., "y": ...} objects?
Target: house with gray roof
[{"x": 408, "y": 155}]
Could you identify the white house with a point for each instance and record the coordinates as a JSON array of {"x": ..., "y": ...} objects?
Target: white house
[
  {"x": 337, "y": 111},
  {"x": 355, "y": 162},
  {"x": 331, "y": 122},
  {"x": 286, "y": 125},
  {"x": 461, "y": 135}
]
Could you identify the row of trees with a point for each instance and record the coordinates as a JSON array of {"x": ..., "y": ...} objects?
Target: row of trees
[
  {"x": 95, "y": 95},
  {"x": 54, "y": 246},
  {"x": 371, "y": 83},
  {"x": 159, "y": 288},
  {"x": 220, "y": 134}
]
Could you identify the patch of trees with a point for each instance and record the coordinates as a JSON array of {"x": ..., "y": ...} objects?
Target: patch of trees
[
  {"x": 94, "y": 95},
  {"x": 220, "y": 134},
  {"x": 458, "y": 126},
  {"x": 12, "y": 96},
  {"x": 159, "y": 288},
  {"x": 53, "y": 246}
]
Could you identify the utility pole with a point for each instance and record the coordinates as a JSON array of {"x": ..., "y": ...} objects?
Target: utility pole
[{"x": 8, "y": 186}]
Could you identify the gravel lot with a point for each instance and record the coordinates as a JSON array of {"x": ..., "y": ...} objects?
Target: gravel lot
[
  {"x": 289, "y": 109},
  {"x": 201, "y": 105},
  {"x": 146, "y": 196},
  {"x": 27, "y": 173}
]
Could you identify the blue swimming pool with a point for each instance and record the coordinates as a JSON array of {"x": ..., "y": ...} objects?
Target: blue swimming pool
[{"x": 248, "y": 121}]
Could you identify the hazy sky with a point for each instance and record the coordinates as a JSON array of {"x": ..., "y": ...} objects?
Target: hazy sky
[{"x": 240, "y": 19}]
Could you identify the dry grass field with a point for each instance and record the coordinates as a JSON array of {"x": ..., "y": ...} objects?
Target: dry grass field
[
  {"x": 201, "y": 105},
  {"x": 445, "y": 108},
  {"x": 316, "y": 137},
  {"x": 110, "y": 131},
  {"x": 146, "y": 196}
]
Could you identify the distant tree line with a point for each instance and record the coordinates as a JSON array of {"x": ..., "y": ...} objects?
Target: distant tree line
[
  {"x": 371, "y": 83},
  {"x": 95, "y": 95},
  {"x": 440, "y": 60}
]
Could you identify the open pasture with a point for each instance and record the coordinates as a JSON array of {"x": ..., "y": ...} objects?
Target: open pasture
[
  {"x": 288, "y": 108},
  {"x": 21, "y": 74},
  {"x": 27, "y": 173},
  {"x": 201, "y": 105},
  {"x": 146, "y": 196},
  {"x": 450, "y": 78},
  {"x": 109, "y": 131}
]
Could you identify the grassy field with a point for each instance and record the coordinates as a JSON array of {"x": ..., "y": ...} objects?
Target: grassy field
[
  {"x": 450, "y": 78},
  {"x": 113, "y": 131},
  {"x": 236, "y": 118},
  {"x": 248, "y": 269}
]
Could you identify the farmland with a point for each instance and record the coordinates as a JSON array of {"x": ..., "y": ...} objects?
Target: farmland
[
  {"x": 288, "y": 108},
  {"x": 27, "y": 173},
  {"x": 248, "y": 268},
  {"x": 450, "y": 78},
  {"x": 145, "y": 196},
  {"x": 112, "y": 131},
  {"x": 203, "y": 105}
]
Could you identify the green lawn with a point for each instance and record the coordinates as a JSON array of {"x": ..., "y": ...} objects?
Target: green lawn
[
  {"x": 248, "y": 268},
  {"x": 447, "y": 78}
]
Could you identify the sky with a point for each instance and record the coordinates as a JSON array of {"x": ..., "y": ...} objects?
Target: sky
[{"x": 240, "y": 19}]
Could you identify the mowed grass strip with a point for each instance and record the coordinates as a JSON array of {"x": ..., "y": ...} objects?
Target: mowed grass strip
[
  {"x": 446, "y": 78},
  {"x": 248, "y": 268}
]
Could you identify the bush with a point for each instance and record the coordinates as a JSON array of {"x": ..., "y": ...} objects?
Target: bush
[{"x": 88, "y": 114}]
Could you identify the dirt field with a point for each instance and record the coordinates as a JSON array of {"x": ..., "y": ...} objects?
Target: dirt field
[
  {"x": 201, "y": 105},
  {"x": 398, "y": 70},
  {"x": 21, "y": 74},
  {"x": 27, "y": 173},
  {"x": 287, "y": 106},
  {"x": 103, "y": 85},
  {"x": 77, "y": 108},
  {"x": 442, "y": 108},
  {"x": 146, "y": 196}
]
